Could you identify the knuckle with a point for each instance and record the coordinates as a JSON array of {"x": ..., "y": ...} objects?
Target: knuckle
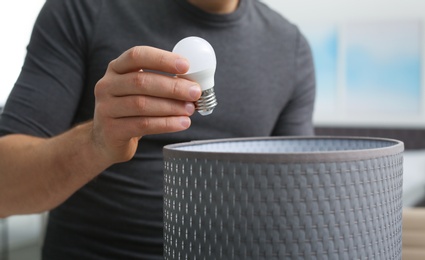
[
  {"x": 141, "y": 80},
  {"x": 144, "y": 124},
  {"x": 135, "y": 52},
  {"x": 141, "y": 104},
  {"x": 175, "y": 88},
  {"x": 111, "y": 64},
  {"x": 167, "y": 123},
  {"x": 113, "y": 67},
  {"x": 100, "y": 88}
]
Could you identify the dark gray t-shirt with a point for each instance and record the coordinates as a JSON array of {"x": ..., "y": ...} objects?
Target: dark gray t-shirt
[{"x": 264, "y": 86}]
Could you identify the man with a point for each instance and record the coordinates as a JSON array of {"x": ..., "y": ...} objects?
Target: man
[{"x": 87, "y": 144}]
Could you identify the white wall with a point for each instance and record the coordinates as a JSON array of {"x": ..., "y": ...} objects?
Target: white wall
[{"x": 16, "y": 21}]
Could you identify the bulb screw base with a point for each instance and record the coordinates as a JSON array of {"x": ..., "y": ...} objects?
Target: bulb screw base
[{"x": 206, "y": 103}]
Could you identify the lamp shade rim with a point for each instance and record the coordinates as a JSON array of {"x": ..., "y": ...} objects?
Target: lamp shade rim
[{"x": 213, "y": 149}]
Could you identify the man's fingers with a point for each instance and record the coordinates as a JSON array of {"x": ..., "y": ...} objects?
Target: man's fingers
[
  {"x": 137, "y": 105},
  {"x": 141, "y": 126},
  {"x": 137, "y": 96},
  {"x": 149, "y": 58},
  {"x": 154, "y": 84}
]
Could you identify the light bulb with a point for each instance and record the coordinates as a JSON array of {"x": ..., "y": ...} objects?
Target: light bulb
[{"x": 203, "y": 63}]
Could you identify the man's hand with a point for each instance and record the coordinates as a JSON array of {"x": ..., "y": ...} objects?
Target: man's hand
[
  {"x": 132, "y": 101},
  {"x": 37, "y": 174}
]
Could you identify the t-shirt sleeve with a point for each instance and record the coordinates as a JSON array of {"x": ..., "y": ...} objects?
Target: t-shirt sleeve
[
  {"x": 297, "y": 116},
  {"x": 46, "y": 94}
]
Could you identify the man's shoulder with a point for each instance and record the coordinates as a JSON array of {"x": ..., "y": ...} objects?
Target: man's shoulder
[
  {"x": 275, "y": 20},
  {"x": 271, "y": 13}
]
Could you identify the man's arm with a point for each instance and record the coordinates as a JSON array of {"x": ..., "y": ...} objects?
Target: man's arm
[{"x": 38, "y": 174}]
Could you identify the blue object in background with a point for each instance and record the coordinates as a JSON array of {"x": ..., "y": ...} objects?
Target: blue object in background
[
  {"x": 323, "y": 39},
  {"x": 383, "y": 68},
  {"x": 378, "y": 76}
]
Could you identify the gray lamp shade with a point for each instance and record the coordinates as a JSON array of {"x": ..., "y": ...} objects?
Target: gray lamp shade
[{"x": 283, "y": 198}]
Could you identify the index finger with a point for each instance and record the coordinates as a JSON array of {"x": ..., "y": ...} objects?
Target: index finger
[{"x": 149, "y": 58}]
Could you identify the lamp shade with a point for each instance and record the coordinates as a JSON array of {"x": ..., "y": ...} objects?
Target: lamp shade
[{"x": 283, "y": 198}]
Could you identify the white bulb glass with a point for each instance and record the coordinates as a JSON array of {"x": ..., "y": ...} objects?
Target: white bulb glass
[{"x": 203, "y": 64}]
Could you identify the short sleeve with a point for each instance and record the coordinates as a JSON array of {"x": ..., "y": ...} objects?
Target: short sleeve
[{"x": 46, "y": 95}]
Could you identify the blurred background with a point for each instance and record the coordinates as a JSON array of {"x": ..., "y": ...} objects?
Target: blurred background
[
  {"x": 368, "y": 59},
  {"x": 370, "y": 82}
]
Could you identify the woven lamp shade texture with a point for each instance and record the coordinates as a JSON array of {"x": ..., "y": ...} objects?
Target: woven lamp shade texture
[{"x": 283, "y": 198}]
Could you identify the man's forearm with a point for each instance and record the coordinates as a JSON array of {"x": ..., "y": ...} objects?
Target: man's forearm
[{"x": 38, "y": 174}]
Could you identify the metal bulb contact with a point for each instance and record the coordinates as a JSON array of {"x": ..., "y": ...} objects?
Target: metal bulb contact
[{"x": 207, "y": 102}]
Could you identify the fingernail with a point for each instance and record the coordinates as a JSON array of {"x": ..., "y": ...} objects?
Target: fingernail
[
  {"x": 185, "y": 121},
  {"x": 195, "y": 92},
  {"x": 182, "y": 65},
  {"x": 190, "y": 108}
]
